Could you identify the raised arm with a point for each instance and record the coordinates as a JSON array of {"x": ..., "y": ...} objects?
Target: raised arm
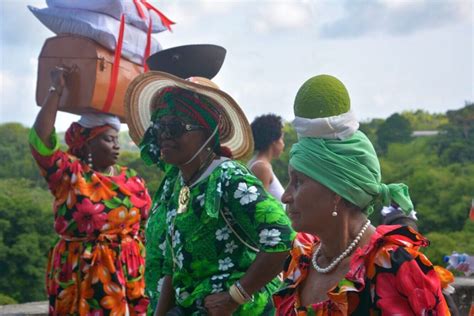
[{"x": 44, "y": 123}]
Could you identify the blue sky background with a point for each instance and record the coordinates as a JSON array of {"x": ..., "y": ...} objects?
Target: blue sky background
[{"x": 392, "y": 55}]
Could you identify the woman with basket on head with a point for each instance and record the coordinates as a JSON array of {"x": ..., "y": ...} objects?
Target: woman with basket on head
[
  {"x": 215, "y": 239},
  {"x": 97, "y": 264}
]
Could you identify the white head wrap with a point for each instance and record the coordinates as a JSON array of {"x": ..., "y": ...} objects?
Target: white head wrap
[
  {"x": 90, "y": 120},
  {"x": 340, "y": 126}
]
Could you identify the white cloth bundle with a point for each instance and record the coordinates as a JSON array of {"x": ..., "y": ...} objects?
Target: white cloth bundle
[
  {"x": 91, "y": 120},
  {"x": 99, "y": 27},
  {"x": 114, "y": 8},
  {"x": 340, "y": 126}
]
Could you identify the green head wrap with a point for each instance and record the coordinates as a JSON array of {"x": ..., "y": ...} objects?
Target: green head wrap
[{"x": 349, "y": 166}]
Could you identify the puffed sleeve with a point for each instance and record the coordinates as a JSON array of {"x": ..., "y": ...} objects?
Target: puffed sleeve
[
  {"x": 55, "y": 165},
  {"x": 410, "y": 286}
]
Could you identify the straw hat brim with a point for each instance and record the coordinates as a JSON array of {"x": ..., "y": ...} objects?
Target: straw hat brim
[{"x": 235, "y": 132}]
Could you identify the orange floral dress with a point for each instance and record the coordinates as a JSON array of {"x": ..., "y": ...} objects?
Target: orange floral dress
[
  {"x": 388, "y": 276},
  {"x": 97, "y": 265}
]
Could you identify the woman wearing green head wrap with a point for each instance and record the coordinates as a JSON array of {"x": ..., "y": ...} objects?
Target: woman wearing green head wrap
[
  {"x": 340, "y": 264},
  {"x": 215, "y": 239}
]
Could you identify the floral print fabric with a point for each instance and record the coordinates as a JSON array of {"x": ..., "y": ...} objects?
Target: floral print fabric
[
  {"x": 97, "y": 266},
  {"x": 388, "y": 276},
  {"x": 199, "y": 249}
]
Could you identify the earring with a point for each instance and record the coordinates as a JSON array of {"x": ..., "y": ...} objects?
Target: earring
[
  {"x": 334, "y": 213},
  {"x": 208, "y": 149},
  {"x": 89, "y": 160}
]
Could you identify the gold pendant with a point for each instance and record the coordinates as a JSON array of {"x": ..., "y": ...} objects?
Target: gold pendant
[{"x": 184, "y": 195}]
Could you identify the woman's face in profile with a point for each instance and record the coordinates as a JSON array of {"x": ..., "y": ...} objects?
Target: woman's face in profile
[
  {"x": 177, "y": 144},
  {"x": 309, "y": 204},
  {"x": 279, "y": 146}
]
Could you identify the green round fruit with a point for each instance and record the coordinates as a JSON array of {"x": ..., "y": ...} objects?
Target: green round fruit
[{"x": 322, "y": 96}]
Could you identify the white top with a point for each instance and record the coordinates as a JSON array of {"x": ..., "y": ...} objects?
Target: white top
[{"x": 275, "y": 188}]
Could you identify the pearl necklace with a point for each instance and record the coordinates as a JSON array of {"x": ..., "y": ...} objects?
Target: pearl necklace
[{"x": 346, "y": 252}]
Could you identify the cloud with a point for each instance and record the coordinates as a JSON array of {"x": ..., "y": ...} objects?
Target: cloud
[
  {"x": 17, "y": 25},
  {"x": 395, "y": 17},
  {"x": 15, "y": 93},
  {"x": 217, "y": 7},
  {"x": 282, "y": 15}
]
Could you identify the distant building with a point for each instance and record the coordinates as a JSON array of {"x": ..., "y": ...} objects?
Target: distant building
[{"x": 424, "y": 133}]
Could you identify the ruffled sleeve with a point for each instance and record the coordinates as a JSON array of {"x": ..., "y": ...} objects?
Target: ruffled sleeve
[
  {"x": 38, "y": 145},
  {"x": 406, "y": 282}
]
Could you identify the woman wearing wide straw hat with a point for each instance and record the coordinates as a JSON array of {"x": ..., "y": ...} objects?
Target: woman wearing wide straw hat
[
  {"x": 215, "y": 239},
  {"x": 96, "y": 266},
  {"x": 340, "y": 264}
]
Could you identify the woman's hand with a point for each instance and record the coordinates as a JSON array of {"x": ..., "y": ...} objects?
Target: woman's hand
[
  {"x": 220, "y": 304},
  {"x": 44, "y": 123},
  {"x": 58, "y": 78}
]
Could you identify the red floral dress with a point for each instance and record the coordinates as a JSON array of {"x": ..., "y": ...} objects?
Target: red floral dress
[
  {"x": 388, "y": 276},
  {"x": 97, "y": 265}
]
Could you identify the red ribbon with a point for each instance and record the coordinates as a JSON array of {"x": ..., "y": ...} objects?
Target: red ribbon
[
  {"x": 166, "y": 22},
  {"x": 139, "y": 9},
  {"x": 115, "y": 67},
  {"x": 164, "y": 19}
]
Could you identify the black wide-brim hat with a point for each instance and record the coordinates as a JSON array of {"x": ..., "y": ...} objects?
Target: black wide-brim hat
[{"x": 197, "y": 60}]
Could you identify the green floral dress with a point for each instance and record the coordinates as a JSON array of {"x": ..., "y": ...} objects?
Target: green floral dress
[{"x": 200, "y": 250}]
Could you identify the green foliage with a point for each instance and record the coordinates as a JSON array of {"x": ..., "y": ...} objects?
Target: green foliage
[
  {"x": 395, "y": 129},
  {"x": 456, "y": 142},
  {"x": 15, "y": 157},
  {"x": 280, "y": 166},
  {"x": 442, "y": 244},
  {"x": 423, "y": 121},
  {"x": 6, "y": 300},
  {"x": 126, "y": 143},
  {"x": 26, "y": 224},
  {"x": 441, "y": 193},
  {"x": 370, "y": 129}
]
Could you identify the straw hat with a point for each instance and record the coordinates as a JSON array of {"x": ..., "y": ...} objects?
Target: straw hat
[{"x": 235, "y": 132}]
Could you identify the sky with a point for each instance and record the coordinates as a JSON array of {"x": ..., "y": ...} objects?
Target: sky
[{"x": 392, "y": 55}]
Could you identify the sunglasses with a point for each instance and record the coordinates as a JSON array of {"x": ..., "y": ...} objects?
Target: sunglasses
[{"x": 175, "y": 128}]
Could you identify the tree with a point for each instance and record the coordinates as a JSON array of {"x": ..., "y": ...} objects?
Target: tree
[
  {"x": 26, "y": 235},
  {"x": 280, "y": 166},
  {"x": 15, "y": 157},
  {"x": 456, "y": 143},
  {"x": 422, "y": 120},
  {"x": 395, "y": 129},
  {"x": 370, "y": 129}
]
